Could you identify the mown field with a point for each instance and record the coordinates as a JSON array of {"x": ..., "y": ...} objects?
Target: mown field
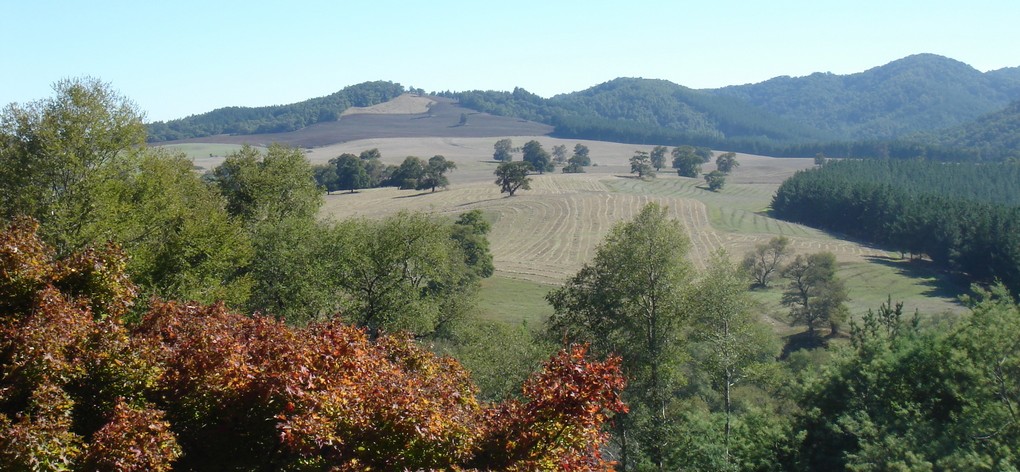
[{"x": 542, "y": 236}]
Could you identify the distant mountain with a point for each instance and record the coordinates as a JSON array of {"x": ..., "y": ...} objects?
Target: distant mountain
[
  {"x": 274, "y": 119},
  {"x": 924, "y": 92},
  {"x": 885, "y": 110},
  {"x": 642, "y": 110}
]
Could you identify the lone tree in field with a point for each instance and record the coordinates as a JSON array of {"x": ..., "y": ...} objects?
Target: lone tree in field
[
  {"x": 715, "y": 180},
  {"x": 435, "y": 173},
  {"x": 641, "y": 165},
  {"x": 765, "y": 260},
  {"x": 726, "y": 162},
  {"x": 504, "y": 150},
  {"x": 659, "y": 157},
  {"x": 814, "y": 294},
  {"x": 511, "y": 176},
  {"x": 537, "y": 156}
]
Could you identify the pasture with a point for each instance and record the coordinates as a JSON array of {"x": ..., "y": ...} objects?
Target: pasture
[{"x": 542, "y": 236}]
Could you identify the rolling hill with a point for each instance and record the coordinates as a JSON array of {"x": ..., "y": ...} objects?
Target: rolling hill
[
  {"x": 924, "y": 92},
  {"x": 906, "y": 101}
]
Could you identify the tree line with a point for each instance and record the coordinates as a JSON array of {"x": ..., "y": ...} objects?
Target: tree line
[
  {"x": 276, "y": 118},
  {"x": 965, "y": 217}
]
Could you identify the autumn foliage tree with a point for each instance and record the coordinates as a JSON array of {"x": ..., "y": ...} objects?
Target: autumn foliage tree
[{"x": 198, "y": 387}]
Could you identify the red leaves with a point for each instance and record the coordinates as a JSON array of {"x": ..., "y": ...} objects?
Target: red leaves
[
  {"x": 133, "y": 440},
  {"x": 560, "y": 427},
  {"x": 214, "y": 390}
]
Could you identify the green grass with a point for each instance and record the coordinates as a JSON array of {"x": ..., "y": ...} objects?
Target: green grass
[
  {"x": 514, "y": 301},
  {"x": 201, "y": 152},
  {"x": 736, "y": 208}
]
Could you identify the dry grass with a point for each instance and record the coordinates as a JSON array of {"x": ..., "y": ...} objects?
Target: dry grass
[
  {"x": 545, "y": 234},
  {"x": 405, "y": 104}
]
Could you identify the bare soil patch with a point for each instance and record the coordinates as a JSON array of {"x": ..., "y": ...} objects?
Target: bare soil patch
[{"x": 441, "y": 119}]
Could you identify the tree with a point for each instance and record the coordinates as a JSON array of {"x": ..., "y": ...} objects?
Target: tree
[
  {"x": 511, "y": 176},
  {"x": 469, "y": 231},
  {"x": 726, "y": 162},
  {"x": 573, "y": 168},
  {"x": 734, "y": 345},
  {"x": 686, "y": 161},
  {"x": 408, "y": 174},
  {"x": 504, "y": 150},
  {"x": 641, "y": 165},
  {"x": 463, "y": 120},
  {"x": 715, "y": 180},
  {"x": 268, "y": 186},
  {"x": 765, "y": 260},
  {"x": 820, "y": 159},
  {"x": 435, "y": 173},
  {"x": 658, "y": 157},
  {"x": 56, "y": 152},
  {"x": 350, "y": 173},
  {"x": 370, "y": 154},
  {"x": 198, "y": 387},
  {"x": 404, "y": 272},
  {"x": 325, "y": 177},
  {"x": 559, "y": 153},
  {"x": 580, "y": 156},
  {"x": 537, "y": 156},
  {"x": 815, "y": 293},
  {"x": 633, "y": 299}
]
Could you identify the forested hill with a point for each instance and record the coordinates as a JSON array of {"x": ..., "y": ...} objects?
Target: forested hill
[
  {"x": 277, "y": 118},
  {"x": 923, "y": 92},
  {"x": 996, "y": 135},
  {"x": 642, "y": 110}
]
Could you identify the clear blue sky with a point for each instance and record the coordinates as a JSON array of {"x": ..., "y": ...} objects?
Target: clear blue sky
[{"x": 176, "y": 58}]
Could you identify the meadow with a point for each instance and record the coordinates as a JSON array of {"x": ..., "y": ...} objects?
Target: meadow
[{"x": 542, "y": 236}]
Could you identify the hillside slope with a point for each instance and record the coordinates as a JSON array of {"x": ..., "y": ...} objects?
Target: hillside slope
[
  {"x": 923, "y": 92},
  {"x": 441, "y": 120}
]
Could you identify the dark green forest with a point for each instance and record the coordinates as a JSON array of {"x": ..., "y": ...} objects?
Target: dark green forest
[
  {"x": 274, "y": 119},
  {"x": 965, "y": 217}
]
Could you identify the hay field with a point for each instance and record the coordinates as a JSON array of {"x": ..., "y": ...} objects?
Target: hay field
[{"x": 545, "y": 234}]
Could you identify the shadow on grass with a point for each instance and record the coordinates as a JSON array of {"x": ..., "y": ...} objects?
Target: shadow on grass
[
  {"x": 938, "y": 282},
  {"x": 419, "y": 194}
]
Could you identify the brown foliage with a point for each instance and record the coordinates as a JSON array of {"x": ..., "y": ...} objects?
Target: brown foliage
[{"x": 198, "y": 387}]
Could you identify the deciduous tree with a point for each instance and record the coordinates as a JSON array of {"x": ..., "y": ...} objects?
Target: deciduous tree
[
  {"x": 815, "y": 294},
  {"x": 765, "y": 260},
  {"x": 715, "y": 180},
  {"x": 726, "y": 162},
  {"x": 641, "y": 165},
  {"x": 511, "y": 176},
  {"x": 633, "y": 300},
  {"x": 658, "y": 157},
  {"x": 537, "y": 156},
  {"x": 686, "y": 161},
  {"x": 503, "y": 150}
]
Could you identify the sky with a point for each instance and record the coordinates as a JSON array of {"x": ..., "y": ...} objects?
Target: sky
[{"x": 178, "y": 58}]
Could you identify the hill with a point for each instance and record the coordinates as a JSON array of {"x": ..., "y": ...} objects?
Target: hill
[
  {"x": 995, "y": 135},
  {"x": 923, "y": 92},
  {"x": 642, "y": 111},
  {"x": 277, "y": 118},
  {"x": 881, "y": 111},
  {"x": 441, "y": 120}
]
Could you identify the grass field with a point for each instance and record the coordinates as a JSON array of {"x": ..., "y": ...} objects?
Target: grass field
[
  {"x": 205, "y": 155},
  {"x": 543, "y": 236}
]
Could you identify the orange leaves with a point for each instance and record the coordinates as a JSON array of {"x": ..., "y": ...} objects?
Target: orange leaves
[
  {"x": 133, "y": 440},
  {"x": 560, "y": 427},
  {"x": 198, "y": 387}
]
